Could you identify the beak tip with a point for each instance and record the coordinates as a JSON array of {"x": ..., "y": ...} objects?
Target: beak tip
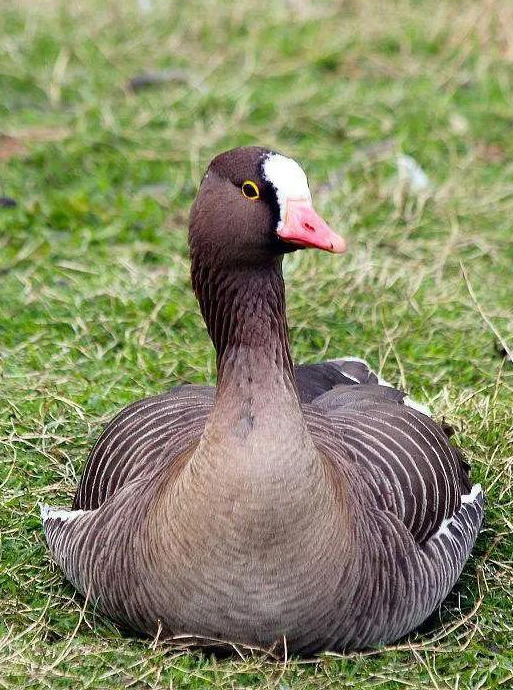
[{"x": 338, "y": 247}]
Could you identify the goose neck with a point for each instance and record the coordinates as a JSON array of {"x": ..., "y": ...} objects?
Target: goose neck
[{"x": 244, "y": 310}]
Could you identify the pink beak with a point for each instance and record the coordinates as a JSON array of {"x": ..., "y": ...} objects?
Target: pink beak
[{"x": 305, "y": 228}]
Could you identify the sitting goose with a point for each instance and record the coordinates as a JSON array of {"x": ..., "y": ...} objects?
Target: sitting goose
[{"x": 309, "y": 503}]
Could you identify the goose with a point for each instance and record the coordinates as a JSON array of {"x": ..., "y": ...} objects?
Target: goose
[{"x": 313, "y": 503}]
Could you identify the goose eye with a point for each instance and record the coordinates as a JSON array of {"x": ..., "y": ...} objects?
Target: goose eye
[{"x": 250, "y": 190}]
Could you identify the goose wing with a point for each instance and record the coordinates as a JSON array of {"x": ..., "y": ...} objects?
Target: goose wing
[
  {"x": 146, "y": 434},
  {"x": 415, "y": 472},
  {"x": 412, "y": 469}
]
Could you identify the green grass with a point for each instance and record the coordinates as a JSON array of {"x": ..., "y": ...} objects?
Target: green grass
[{"x": 96, "y": 310}]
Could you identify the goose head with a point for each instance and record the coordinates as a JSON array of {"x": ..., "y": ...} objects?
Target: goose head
[{"x": 254, "y": 205}]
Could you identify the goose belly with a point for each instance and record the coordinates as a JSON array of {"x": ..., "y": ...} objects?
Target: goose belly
[{"x": 230, "y": 569}]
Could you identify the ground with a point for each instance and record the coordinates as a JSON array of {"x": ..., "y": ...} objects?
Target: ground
[{"x": 401, "y": 113}]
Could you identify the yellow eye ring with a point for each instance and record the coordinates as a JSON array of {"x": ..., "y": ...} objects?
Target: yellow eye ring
[{"x": 250, "y": 190}]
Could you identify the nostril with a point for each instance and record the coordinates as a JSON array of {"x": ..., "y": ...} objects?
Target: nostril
[{"x": 308, "y": 227}]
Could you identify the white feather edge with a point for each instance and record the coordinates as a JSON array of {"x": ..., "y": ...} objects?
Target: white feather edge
[
  {"x": 465, "y": 498},
  {"x": 409, "y": 402},
  {"x": 47, "y": 512}
]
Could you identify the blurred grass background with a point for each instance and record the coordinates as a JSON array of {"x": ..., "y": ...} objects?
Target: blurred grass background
[{"x": 402, "y": 115}]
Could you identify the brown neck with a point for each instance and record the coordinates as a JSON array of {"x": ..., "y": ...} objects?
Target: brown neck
[
  {"x": 257, "y": 417},
  {"x": 244, "y": 309}
]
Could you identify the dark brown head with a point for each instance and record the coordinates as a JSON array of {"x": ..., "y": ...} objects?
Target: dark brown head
[{"x": 254, "y": 205}]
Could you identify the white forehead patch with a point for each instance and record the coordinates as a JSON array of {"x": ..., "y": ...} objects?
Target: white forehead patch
[{"x": 288, "y": 178}]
